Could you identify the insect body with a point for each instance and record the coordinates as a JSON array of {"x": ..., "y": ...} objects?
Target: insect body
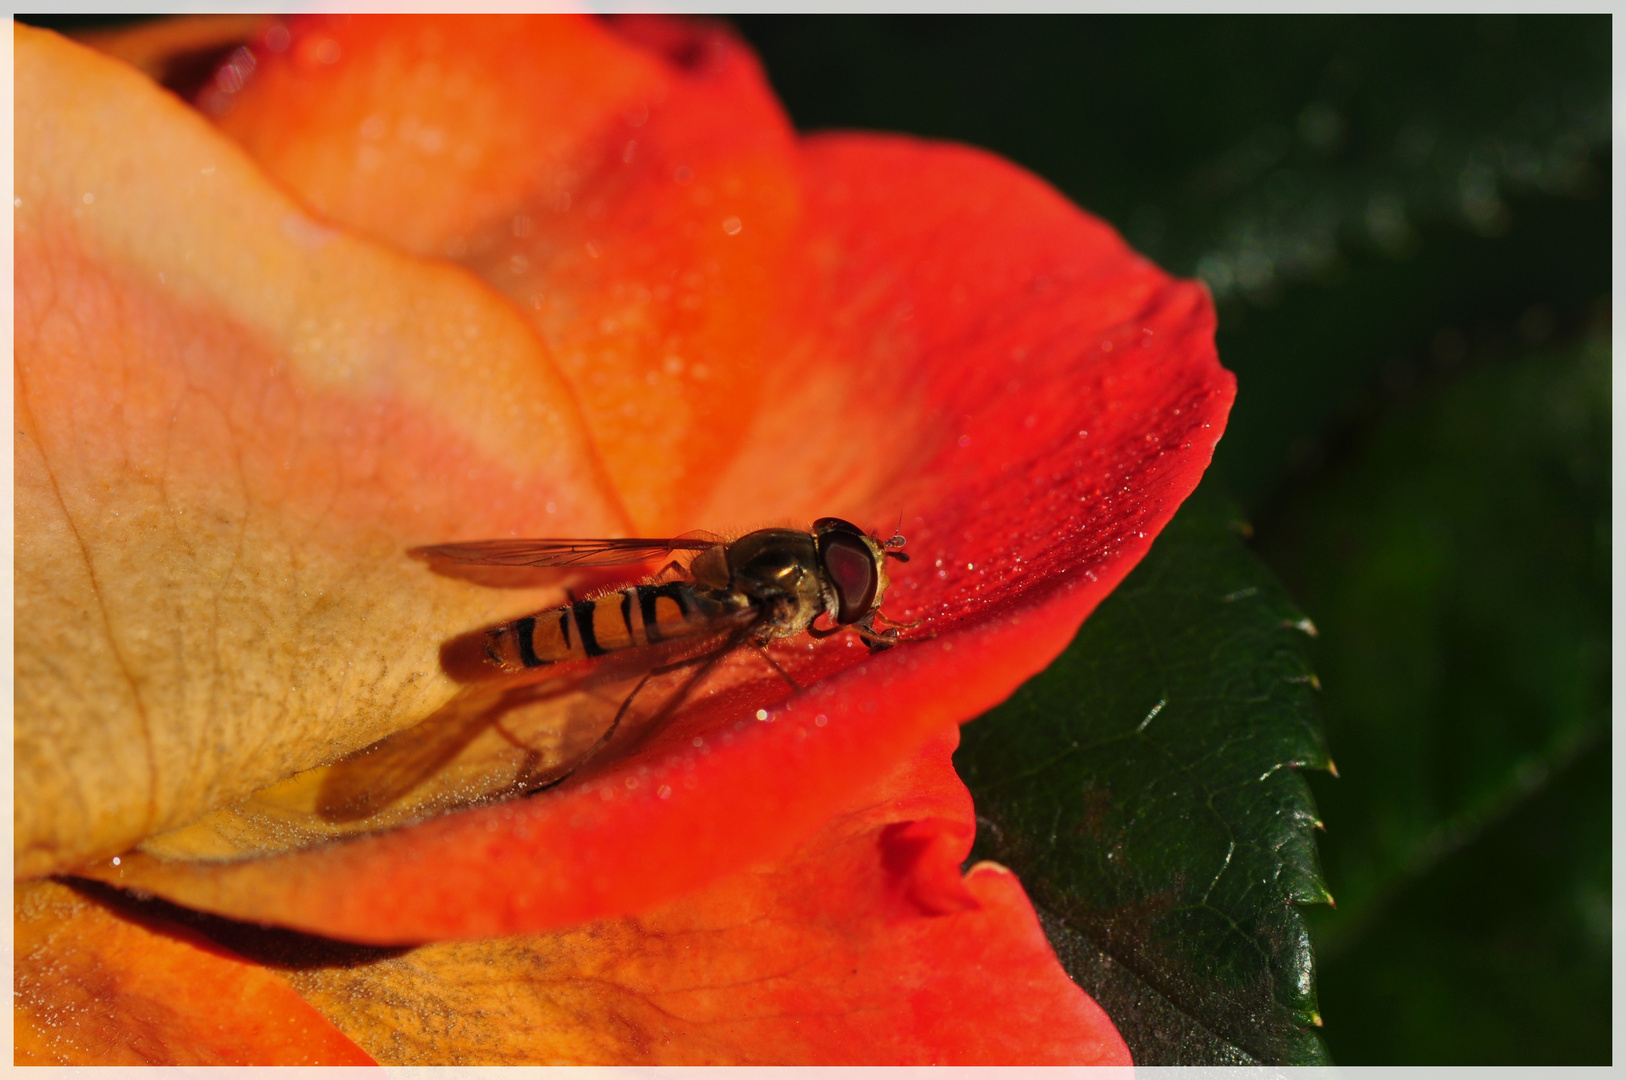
[
  {"x": 641, "y": 615},
  {"x": 767, "y": 584},
  {"x": 549, "y": 691}
]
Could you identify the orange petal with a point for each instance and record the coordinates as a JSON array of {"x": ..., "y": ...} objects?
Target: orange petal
[
  {"x": 171, "y": 50},
  {"x": 1036, "y": 324},
  {"x": 659, "y": 824},
  {"x": 1025, "y": 527},
  {"x": 635, "y": 201},
  {"x": 98, "y": 988},
  {"x": 232, "y": 422},
  {"x": 864, "y": 946}
]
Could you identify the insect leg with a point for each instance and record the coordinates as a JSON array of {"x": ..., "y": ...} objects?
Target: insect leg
[
  {"x": 603, "y": 739},
  {"x": 878, "y": 641},
  {"x": 762, "y": 650},
  {"x": 710, "y": 661},
  {"x": 707, "y": 661},
  {"x": 893, "y": 622}
]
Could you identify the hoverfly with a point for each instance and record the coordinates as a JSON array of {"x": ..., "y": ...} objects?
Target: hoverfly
[
  {"x": 767, "y": 584},
  {"x": 677, "y": 626}
]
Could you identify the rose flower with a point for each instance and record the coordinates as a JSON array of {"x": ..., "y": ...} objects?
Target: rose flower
[{"x": 393, "y": 282}]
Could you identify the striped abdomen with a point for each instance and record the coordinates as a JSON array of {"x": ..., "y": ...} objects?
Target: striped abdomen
[{"x": 638, "y": 615}]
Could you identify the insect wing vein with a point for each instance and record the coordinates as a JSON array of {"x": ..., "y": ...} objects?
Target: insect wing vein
[{"x": 608, "y": 552}]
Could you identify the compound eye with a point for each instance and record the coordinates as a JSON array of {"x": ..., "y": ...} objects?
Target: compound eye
[
  {"x": 829, "y": 525},
  {"x": 851, "y": 566}
]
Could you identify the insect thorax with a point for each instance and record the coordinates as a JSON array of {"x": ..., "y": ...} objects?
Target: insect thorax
[{"x": 778, "y": 569}]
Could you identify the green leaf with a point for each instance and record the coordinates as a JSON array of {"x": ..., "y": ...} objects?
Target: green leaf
[
  {"x": 1145, "y": 789},
  {"x": 1457, "y": 561}
]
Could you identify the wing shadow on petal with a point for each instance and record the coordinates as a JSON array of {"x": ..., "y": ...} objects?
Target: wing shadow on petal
[
  {"x": 526, "y": 735},
  {"x": 498, "y": 738}
]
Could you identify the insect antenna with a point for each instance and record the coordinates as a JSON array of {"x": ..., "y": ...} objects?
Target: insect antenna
[{"x": 897, "y": 541}]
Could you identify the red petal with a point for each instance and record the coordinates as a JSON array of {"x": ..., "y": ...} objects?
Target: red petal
[
  {"x": 98, "y": 988},
  {"x": 938, "y": 350},
  {"x": 1019, "y": 524},
  {"x": 863, "y": 947},
  {"x": 968, "y": 350},
  {"x": 669, "y": 821}
]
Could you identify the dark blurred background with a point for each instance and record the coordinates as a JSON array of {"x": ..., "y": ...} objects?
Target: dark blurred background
[{"x": 1406, "y": 224}]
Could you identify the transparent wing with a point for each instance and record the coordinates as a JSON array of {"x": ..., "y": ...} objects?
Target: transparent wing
[
  {"x": 563, "y": 552},
  {"x": 500, "y": 741}
]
